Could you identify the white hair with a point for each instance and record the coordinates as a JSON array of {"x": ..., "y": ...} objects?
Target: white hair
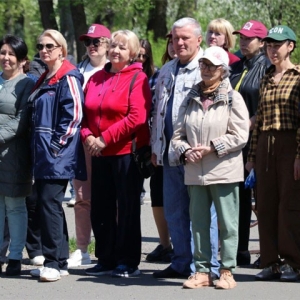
[{"x": 188, "y": 21}]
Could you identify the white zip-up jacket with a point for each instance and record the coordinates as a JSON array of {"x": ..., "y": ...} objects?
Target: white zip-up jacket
[
  {"x": 225, "y": 124},
  {"x": 186, "y": 78}
]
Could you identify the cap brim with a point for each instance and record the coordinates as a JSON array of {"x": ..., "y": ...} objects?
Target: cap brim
[
  {"x": 214, "y": 61},
  {"x": 245, "y": 33},
  {"x": 92, "y": 36},
  {"x": 275, "y": 37}
]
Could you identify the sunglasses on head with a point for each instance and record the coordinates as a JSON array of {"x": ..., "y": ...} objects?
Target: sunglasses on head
[
  {"x": 95, "y": 42},
  {"x": 48, "y": 46}
]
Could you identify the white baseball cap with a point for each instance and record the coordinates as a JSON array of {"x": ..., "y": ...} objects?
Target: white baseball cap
[{"x": 216, "y": 55}]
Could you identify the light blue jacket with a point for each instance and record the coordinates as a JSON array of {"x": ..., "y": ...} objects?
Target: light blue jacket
[{"x": 186, "y": 78}]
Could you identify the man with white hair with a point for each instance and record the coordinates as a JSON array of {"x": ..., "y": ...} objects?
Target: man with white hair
[{"x": 175, "y": 80}]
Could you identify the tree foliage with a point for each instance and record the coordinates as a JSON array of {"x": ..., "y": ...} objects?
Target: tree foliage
[{"x": 147, "y": 18}]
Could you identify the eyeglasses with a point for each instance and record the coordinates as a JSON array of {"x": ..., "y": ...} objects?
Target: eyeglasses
[
  {"x": 210, "y": 68},
  {"x": 40, "y": 47},
  {"x": 95, "y": 42},
  {"x": 142, "y": 56}
]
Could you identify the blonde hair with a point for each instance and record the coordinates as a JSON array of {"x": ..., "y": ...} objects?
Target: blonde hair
[
  {"x": 58, "y": 38},
  {"x": 223, "y": 26},
  {"x": 128, "y": 38}
]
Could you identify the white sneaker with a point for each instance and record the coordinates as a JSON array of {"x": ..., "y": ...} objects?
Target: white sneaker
[
  {"x": 37, "y": 260},
  {"x": 49, "y": 274},
  {"x": 79, "y": 258},
  {"x": 71, "y": 202},
  {"x": 38, "y": 272}
]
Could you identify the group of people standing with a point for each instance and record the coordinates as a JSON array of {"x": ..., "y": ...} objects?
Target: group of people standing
[{"x": 206, "y": 114}]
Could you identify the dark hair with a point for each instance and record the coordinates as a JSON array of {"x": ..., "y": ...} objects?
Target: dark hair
[
  {"x": 17, "y": 44},
  {"x": 166, "y": 57},
  {"x": 148, "y": 65}
]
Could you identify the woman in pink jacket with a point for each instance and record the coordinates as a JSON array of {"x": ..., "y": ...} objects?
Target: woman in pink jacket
[{"x": 116, "y": 111}]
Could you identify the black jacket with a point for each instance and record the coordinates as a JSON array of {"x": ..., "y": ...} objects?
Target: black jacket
[{"x": 249, "y": 87}]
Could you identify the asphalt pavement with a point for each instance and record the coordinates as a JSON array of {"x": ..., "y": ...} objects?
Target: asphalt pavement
[{"x": 80, "y": 286}]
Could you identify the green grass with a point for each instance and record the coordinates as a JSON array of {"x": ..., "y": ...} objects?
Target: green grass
[{"x": 73, "y": 247}]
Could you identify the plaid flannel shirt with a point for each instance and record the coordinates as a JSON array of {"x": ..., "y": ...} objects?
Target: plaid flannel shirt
[{"x": 279, "y": 107}]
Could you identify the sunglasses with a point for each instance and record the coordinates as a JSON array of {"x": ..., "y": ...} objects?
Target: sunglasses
[
  {"x": 95, "y": 42},
  {"x": 40, "y": 47},
  {"x": 210, "y": 68}
]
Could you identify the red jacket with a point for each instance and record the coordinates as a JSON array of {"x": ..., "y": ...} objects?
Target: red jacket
[{"x": 110, "y": 112}]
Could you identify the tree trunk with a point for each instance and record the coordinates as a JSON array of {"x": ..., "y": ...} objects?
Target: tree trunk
[
  {"x": 47, "y": 14},
  {"x": 157, "y": 19},
  {"x": 80, "y": 26},
  {"x": 66, "y": 25}
]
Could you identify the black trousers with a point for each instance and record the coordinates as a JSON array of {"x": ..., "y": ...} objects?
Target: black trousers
[
  {"x": 54, "y": 231},
  {"x": 115, "y": 210},
  {"x": 245, "y": 210},
  {"x": 33, "y": 241}
]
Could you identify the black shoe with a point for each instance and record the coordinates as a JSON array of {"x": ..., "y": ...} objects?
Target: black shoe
[
  {"x": 168, "y": 273},
  {"x": 214, "y": 276},
  {"x": 243, "y": 258},
  {"x": 99, "y": 270},
  {"x": 160, "y": 254},
  {"x": 289, "y": 274},
  {"x": 270, "y": 273},
  {"x": 256, "y": 264},
  {"x": 13, "y": 268}
]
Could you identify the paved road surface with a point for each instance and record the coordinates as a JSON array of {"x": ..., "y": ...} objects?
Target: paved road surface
[{"x": 145, "y": 287}]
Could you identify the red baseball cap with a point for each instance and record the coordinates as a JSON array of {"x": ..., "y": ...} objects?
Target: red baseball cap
[
  {"x": 96, "y": 31},
  {"x": 253, "y": 29}
]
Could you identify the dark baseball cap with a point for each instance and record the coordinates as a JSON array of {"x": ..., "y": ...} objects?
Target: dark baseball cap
[
  {"x": 253, "y": 28},
  {"x": 96, "y": 31}
]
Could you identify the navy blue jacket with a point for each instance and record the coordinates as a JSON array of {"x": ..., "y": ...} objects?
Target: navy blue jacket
[{"x": 56, "y": 117}]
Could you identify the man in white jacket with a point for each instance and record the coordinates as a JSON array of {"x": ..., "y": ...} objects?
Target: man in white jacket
[{"x": 175, "y": 80}]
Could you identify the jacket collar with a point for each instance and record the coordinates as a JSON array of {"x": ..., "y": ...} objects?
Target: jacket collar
[{"x": 65, "y": 68}]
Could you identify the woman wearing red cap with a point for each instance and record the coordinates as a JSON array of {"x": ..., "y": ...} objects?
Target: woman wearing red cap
[
  {"x": 96, "y": 41},
  {"x": 245, "y": 78}
]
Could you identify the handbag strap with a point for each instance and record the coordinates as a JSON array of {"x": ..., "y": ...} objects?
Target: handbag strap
[{"x": 133, "y": 145}]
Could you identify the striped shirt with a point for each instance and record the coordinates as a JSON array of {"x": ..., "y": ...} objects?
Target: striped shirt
[{"x": 279, "y": 106}]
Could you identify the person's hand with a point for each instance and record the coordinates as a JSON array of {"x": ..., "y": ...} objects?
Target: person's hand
[
  {"x": 204, "y": 150},
  {"x": 97, "y": 146},
  {"x": 192, "y": 156},
  {"x": 154, "y": 159},
  {"x": 55, "y": 152},
  {"x": 297, "y": 169},
  {"x": 249, "y": 166},
  {"x": 89, "y": 142}
]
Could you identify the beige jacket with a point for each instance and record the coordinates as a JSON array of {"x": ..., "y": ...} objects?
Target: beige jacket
[{"x": 225, "y": 124}]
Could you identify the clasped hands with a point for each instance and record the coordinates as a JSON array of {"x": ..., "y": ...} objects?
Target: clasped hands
[
  {"x": 94, "y": 145},
  {"x": 195, "y": 154}
]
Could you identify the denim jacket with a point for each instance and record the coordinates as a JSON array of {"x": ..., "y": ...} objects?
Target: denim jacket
[{"x": 186, "y": 78}]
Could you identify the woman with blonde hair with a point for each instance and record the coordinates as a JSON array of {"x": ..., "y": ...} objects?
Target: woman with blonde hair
[
  {"x": 56, "y": 103},
  {"x": 108, "y": 129},
  {"x": 219, "y": 33}
]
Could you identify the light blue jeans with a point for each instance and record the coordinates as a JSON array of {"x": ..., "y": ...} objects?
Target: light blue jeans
[
  {"x": 176, "y": 210},
  {"x": 15, "y": 210}
]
